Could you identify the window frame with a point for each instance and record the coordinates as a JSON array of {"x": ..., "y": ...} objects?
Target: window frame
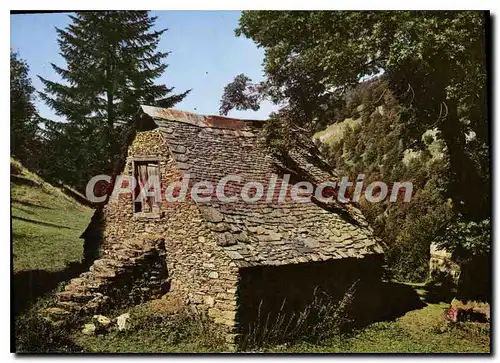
[{"x": 140, "y": 160}]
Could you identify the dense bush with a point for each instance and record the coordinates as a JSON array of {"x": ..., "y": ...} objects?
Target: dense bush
[{"x": 376, "y": 149}]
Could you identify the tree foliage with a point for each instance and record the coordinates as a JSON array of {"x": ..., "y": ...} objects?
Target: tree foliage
[
  {"x": 240, "y": 94},
  {"x": 112, "y": 63},
  {"x": 23, "y": 115},
  {"x": 374, "y": 147},
  {"x": 434, "y": 66}
]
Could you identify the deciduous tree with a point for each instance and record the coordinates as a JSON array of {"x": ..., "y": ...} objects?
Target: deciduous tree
[{"x": 435, "y": 66}]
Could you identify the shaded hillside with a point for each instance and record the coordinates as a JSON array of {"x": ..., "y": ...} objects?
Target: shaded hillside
[{"x": 369, "y": 137}]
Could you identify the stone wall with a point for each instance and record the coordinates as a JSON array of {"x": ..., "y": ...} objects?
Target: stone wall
[
  {"x": 128, "y": 273},
  {"x": 198, "y": 269},
  {"x": 194, "y": 265}
]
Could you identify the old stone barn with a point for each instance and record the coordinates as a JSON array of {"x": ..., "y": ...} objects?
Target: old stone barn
[{"x": 241, "y": 262}]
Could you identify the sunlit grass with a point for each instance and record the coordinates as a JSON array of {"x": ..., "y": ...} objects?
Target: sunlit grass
[
  {"x": 419, "y": 331},
  {"x": 335, "y": 132},
  {"x": 46, "y": 224}
]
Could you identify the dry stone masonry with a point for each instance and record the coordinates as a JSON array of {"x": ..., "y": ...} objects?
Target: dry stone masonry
[
  {"x": 128, "y": 273},
  {"x": 215, "y": 252}
]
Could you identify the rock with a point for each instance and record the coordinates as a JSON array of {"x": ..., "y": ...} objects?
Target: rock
[
  {"x": 196, "y": 299},
  {"x": 209, "y": 300},
  {"x": 181, "y": 157},
  {"x": 342, "y": 254},
  {"x": 218, "y": 227},
  {"x": 242, "y": 237},
  {"x": 212, "y": 215},
  {"x": 260, "y": 230},
  {"x": 229, "y": 315},
  {"x": 56, "y": 312},
  {"x": 226, "y": 239},
  {"x": 234, "y": 255},
  {"x": 358, "y": 245},
  {"x": 122, "y": 320},
  {"x": 234, "y": 228},
  {"x": 311, "y": 243},
  {"x": 179, "y": 149},
  {"x": 201, "y": 239},
  {"x": 270, "y": 237},
  {"x": 89, "y": 329},
  {"x": 213, "y": 275},
  {"x": 102, "y": 320},
  {"x": 68, "y": 305}
]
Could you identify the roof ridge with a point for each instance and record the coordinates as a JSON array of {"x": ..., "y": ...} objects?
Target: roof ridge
[{"x": 212, "y": 121}]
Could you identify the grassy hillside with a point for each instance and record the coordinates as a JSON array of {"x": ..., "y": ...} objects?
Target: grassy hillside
[
  {"x": 46, "y": 223},
  {"x": 335, "y": 132}
]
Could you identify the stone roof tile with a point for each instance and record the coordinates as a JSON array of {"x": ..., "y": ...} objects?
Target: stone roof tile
[{"x": 278, "y": 232}]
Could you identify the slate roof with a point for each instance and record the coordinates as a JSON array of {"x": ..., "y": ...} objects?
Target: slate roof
[{"x": 267, "y": 232}]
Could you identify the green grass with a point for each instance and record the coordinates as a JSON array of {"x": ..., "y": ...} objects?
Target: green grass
[
  {"x": 419, "y": 331},
  {"x": 148, "y": 340},
  {"x": 46, "y": 223},
  {"x": 335, "y": 132},
  {"x": 157, "y": 331},
  {"x": 154, "y": 329}
]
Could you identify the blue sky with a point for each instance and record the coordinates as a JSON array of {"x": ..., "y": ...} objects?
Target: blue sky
[{"x": 206, "y": 55}]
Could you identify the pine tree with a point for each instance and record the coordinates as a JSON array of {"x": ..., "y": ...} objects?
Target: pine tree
[
  {"x": 23, "y": 116},
  {"x": 112, "y": 63}
]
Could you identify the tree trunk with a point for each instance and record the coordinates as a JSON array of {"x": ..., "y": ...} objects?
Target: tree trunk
[
  {"x": 110, "y": 113},
  {"x": 465, "y": 184}
]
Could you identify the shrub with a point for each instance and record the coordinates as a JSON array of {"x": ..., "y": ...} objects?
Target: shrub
[
  {"x": 34, "y": 333},
  {"x": 178, "y": 328},
  {"x": 318, "y": 321}
]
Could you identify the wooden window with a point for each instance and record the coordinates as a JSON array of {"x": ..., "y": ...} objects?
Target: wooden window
[{"x": 147, "y": 175}]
